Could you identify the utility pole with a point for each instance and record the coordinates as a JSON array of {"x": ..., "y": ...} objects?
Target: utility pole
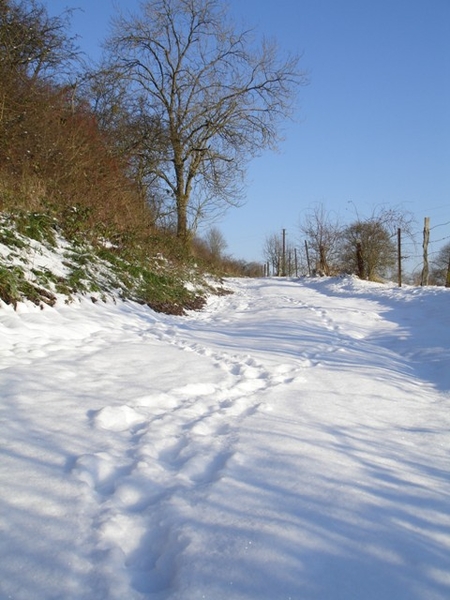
[
  {"x": 399, "y": 243},
  {"x": 426, "y": 239},
  {"x": 283, "y": 265}
]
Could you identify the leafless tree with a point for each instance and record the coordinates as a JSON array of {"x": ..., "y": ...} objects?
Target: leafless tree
[
  {"x": 273, "y": 252},
  {"x": 134, "y": 136},
  {"x": 216, "y": 243},
  {"x": 218, "y": 96},
  {"x": 323, "y": 232},
  {"x": 52, "y": 154},
  {"x": 369, "y": 246},
  {"x": 440, "y": 268},
  {"x": 32, "y": 44}
]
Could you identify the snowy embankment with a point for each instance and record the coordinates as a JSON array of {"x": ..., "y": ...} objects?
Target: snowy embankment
[{"x": 291, "y": 441}]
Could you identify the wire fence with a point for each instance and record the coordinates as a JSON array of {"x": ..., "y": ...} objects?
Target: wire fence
[
  {"x": 412, "y": 247},
  {"x": 412, "y": 252}
]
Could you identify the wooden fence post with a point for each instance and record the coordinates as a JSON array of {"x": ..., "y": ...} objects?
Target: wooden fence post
[
  {"x": 426, "y": 239},
  {"x": 307, "y": 258},
  {"x": 447, "y": 279}
]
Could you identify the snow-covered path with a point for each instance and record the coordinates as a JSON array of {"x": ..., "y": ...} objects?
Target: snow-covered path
[{"x": 290, "y": 441}]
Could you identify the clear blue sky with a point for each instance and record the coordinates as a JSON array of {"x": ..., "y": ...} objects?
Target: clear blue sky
[{"x": 372, "y": 127}]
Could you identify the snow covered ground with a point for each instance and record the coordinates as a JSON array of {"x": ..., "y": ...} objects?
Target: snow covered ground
[{"x": 291, "y": 441}]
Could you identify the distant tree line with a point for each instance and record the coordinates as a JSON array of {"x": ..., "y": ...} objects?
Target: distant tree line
[{"x": 366, "y": 247}]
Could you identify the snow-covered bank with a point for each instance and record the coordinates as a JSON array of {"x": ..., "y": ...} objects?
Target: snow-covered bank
[{"x": 289, "y": 441}]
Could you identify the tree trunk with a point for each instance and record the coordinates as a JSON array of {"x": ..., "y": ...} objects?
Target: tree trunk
[
  {"x": 182, "y": 225},
  {"x": 360, "y": 260}
]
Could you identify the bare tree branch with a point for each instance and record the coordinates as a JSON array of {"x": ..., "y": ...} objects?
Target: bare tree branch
[{"x": 219, "y": 96}]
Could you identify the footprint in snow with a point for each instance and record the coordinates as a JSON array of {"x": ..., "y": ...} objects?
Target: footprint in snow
[
  {"x": 99, "y": 471},
  {"x": 205, "y": 469},
  {"x": 146, "y": 485},
  {"x": 149, "y": 553}
]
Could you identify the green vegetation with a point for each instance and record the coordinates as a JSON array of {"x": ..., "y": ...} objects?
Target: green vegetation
[{"x": 47, "y": 266}]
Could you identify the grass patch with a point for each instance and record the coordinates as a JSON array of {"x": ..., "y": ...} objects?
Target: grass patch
[
  {"x": 59, "y": 264},
  {"x": 14, "y": 287},
  {"x": 37, "y": 226}
]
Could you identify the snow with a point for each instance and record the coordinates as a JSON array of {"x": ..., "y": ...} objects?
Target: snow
[{"x": 290, "y": 441}]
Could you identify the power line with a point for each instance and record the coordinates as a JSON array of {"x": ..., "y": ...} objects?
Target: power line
[
  {"x": 440, "y": 240},
  {"x": 440, "y": 225}
]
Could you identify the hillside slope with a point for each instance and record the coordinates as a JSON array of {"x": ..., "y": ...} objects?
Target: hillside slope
[{"x": 39, "y": 263}]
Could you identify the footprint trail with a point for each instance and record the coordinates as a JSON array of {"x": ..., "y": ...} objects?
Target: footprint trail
[{"x": 162, "y": 452}]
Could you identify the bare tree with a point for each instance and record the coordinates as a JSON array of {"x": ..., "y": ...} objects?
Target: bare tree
[
  {"x": 323, "y": 232},
  {"x": 281, "y": 260},
  {"x": 33, "y": 44},
  {"x": 273, "y": 252},
  {"x": 369, "y": 246},
  {"x": 53, "y": 156},
  {"x": 135, "y": 136},
  {"x": 216, "y": 243},
  {"x": 440, "y": 268},
  {"x": 369, "y": 250},
  {"x": 219, "y": 98}
]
